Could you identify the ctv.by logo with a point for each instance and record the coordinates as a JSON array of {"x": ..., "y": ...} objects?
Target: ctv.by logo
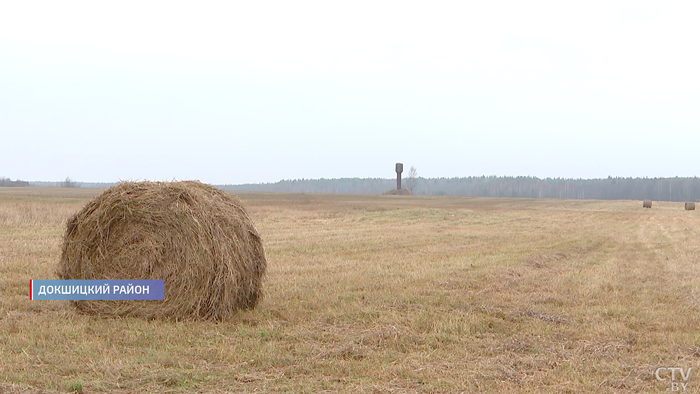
[{"x": 664, "y": 373}]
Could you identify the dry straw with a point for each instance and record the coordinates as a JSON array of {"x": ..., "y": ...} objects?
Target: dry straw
[
  {"x": 690, "y": 206},
  {"x": 195, "y": 237},
  {"x": 398, "y": 192},
  {"x": 647, "y": 204}
]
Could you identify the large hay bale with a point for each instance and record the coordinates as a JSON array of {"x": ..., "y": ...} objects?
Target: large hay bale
[
  {"x": 647, "y": 204},
  {"x": 195, "y": 237},
  {"x": 690, "y": 206}
]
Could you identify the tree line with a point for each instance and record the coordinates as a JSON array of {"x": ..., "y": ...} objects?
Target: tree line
[
  {"x": 7, "y": 182},
  {"x": 611, "y": 188}
]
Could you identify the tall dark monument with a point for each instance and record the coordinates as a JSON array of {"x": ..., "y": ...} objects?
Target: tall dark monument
[{"x": 399, "y": 170}]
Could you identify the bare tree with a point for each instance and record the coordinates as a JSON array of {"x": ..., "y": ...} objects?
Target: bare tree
[
  {"x": 68, "y": 183},
  {"x": 412, "y": 177}
]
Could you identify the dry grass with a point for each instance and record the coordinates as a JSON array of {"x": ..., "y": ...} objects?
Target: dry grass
[
  {"x": 385, "y": 294},
  {"x": 398, "y": 192}
]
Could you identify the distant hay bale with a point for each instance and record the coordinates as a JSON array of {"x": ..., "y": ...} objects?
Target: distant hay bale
[
  {"x": 690, "y": 206},
  {"x": 398, "y": 192},
  {"x": 647, "y": 204},
  {"x": 195, "y": 237}
]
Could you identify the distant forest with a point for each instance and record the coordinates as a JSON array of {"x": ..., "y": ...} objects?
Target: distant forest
[
  {"x": 7, "y": 182},
  {"x": 658, "y": 189}
]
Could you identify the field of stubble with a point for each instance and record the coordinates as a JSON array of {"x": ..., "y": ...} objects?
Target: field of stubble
[{"x": 385, "y": 294}]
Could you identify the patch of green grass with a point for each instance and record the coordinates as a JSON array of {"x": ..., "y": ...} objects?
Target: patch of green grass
[{"x": 74, "y": 387}]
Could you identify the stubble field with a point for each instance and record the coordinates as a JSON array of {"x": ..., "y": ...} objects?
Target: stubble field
[{"x": 384, "y": 294}]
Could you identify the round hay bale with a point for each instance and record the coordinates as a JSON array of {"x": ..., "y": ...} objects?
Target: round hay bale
[
  {"x": 398, "y": 192},
  {"x": 690, "y": 206},
  {"x": 195, "y": 237},
  {"x": 647, "y": 204}
]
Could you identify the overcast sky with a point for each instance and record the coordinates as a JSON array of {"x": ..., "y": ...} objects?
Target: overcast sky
[{"x": 256, "y": 91}]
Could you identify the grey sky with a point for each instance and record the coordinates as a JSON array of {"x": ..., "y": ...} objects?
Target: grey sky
[{"x": 239, "y": 92}]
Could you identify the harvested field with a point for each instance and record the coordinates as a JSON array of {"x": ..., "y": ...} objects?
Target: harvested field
[{"x": 384, "y": 294}]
